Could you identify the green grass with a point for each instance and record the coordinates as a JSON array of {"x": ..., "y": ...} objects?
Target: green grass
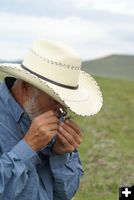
[{"x": 108, "y": 143}]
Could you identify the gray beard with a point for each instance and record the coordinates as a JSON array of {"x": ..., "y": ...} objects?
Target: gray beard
[{"x": 31, "y": 107}]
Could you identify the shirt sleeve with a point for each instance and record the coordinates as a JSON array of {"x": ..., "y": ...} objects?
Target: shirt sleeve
[
  {"x": 66, "y": 170},
  {"x": 14, "y": 168}
]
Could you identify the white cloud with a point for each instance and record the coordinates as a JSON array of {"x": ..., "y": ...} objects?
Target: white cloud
[
  {"x": 22, "y": 30},
  {"x": 91, "y": 38},
  {"x": 113, "y": 6}
]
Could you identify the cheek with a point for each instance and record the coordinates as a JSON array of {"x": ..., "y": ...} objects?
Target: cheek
[
  {"x": 51, "y": 102},
  {"x": 46, "y": 103}
]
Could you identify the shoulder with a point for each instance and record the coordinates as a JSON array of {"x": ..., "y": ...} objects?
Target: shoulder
[{"x": 8, "y": 131}]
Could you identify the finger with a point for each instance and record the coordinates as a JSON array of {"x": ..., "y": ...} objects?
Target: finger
[
  {"x": 67, "y": 146},
  {"x": 72, "y": 132},
  {"x": 46, "y": 122},
  {"x": 48, "y": 135},
  {"x": 47, "y": 115},
  {"x": 68, "y": 129},
  {"x": 53, "y": 127},
  {"x": 63, "y": 139},
  {"x": 54, "y": 132},
  {"x": 52, "y": 120},
  {"x": 68, "y": 136},
  {"x": 43, "y": 130},
  {"x": 74, "y": 126}
]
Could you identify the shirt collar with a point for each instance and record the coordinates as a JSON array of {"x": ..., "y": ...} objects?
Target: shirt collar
[{"x": 9, "y": 101}]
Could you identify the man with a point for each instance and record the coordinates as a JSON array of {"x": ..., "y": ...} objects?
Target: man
[{"x": 39, "y": 157}]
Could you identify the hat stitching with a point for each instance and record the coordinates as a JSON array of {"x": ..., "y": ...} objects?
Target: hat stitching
[{"x": 55, "y": 62}]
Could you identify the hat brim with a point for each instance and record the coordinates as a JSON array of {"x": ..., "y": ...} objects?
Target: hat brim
[{"x": 86, "y": 100}]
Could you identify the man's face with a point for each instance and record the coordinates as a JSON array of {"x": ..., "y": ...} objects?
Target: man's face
[{"x": 39, "y": 102}]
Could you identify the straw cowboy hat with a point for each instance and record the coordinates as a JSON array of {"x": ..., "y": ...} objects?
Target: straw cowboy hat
[{"x": 55, "y": 68}]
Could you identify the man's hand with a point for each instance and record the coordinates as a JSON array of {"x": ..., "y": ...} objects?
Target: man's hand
[
  {"x": 42, "y": 130},
  {"x": 68, "y": 138}
]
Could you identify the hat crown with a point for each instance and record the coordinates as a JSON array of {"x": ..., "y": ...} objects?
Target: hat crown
[{"x": 54, "y": 61}]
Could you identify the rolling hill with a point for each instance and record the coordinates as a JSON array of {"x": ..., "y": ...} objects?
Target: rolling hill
[{"x": 115, "y": 66}]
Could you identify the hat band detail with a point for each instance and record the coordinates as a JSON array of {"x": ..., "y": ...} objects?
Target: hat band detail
[
  {"x": 55, "y": 62},
  {"x": 49, "y": 80}
]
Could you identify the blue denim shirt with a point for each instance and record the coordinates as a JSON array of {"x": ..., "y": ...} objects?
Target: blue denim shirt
[{"x": 24, "y": 173}]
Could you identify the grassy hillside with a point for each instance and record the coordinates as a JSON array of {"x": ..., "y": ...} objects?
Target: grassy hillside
[
  {"x": 108, "y": 140},
  {"x": 115, "y": 66},
  {"x": 108, "y": 147}
]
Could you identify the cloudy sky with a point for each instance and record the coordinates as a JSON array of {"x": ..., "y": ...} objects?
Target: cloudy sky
[{"x": 94, "y": 27}]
